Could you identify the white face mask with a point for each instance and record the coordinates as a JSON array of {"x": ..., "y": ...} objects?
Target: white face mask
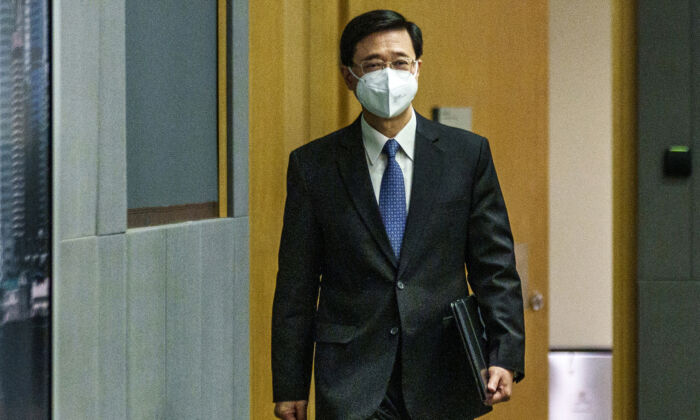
[{"x": 386, "y": 93}]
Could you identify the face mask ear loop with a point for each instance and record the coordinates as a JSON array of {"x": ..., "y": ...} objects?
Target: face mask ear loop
[
  {"x": 352, "y": 72},
  {"x": 415, "y": 75}
]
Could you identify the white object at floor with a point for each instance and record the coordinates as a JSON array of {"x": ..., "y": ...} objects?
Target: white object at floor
[{"x": 580, "y": 385}]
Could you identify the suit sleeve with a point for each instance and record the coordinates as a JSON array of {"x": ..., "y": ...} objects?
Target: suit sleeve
[
  {"x": 490, "y": 262},
  {"x": 294, "y": 305}
]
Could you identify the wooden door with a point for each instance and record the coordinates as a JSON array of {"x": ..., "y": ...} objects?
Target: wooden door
[
  {"x": 492, "y": 57},
  {"x": 488, "y": 55}
]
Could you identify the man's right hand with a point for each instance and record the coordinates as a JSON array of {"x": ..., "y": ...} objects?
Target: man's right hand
[{"x": 291, "y": 410}]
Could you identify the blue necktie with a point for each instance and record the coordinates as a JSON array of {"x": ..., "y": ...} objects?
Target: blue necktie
[{"x": 392, "y": 198}]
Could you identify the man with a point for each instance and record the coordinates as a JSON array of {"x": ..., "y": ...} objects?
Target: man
[{"x": 380, "y": 219}]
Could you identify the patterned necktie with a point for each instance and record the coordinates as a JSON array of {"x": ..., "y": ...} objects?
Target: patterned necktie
[{"x": 392, "y": 198}]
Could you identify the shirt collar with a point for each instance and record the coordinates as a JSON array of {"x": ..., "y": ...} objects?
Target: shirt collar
[{"x": 374, "y": 140}]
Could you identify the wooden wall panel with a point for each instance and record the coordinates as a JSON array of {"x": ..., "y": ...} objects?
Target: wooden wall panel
[
  {"x": 668, "y": 60},
  {"x": 694, "y": 144},
  {"x": 666, "y": 308},
  {"x": 111, "y": 153},
  {"x": 183, "y": 321},
  {"x": 326, "y": 87},
  {"x": 664, "y": 118},
  {"x": 146, "y": 320},
  {"x": 292, "y": 61},
  {"x": 491, "y": 56},
  {"x": 131, "y": 311},
  {"x": 268, "y": 157},
  {"x": 111, "y": 358},
  {"x": 75, "y": 331},
  {"x": 154, "y": 323},
  {"x": 75, "y": 116},
  {"x": 241, "y": 318},
  {"x": 218, "y": 302}
]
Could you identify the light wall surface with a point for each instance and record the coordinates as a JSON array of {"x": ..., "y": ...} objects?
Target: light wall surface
[
  {"x": 148, "y": 323},
  {"x": 580, "y": 171}
]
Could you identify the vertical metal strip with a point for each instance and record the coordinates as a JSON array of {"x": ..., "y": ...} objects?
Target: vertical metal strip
[
  {"x": 344, "y": 113},
  {"x": 222, "y": 107}
]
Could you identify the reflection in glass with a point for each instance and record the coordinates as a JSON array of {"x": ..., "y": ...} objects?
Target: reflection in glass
[
  {"x": 171, "y": 111},
  {"x": 25, "y": 263}
]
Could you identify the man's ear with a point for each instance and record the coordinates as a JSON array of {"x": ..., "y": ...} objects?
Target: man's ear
[{"x": 348, "y": 78}]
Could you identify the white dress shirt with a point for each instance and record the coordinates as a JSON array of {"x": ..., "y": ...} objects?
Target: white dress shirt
[{"x": 374, "y": 141}]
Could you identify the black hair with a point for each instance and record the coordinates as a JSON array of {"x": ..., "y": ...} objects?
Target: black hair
[{"x": 372, "y": 22}]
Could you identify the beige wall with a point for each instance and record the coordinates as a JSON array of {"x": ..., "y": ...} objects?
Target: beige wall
[{"x": 580, "y": 173}]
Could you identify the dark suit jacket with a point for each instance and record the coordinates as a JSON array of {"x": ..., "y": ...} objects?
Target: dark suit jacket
[{"x": 340, "y": 286}]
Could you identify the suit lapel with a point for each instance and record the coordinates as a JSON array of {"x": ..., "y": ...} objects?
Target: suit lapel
[
  {"x": 355, "y": 174},
  {"x": 427, "y": 170}
]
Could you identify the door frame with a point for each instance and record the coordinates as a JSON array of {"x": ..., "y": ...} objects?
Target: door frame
[{"x": 624, "y": 21}]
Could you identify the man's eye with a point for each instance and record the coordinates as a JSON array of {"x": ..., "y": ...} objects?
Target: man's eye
[
  {"x": 401, "y": 64},
  {"x": 372, "y": 66}
]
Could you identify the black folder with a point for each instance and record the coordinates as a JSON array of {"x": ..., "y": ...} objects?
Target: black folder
[{"x": 472, "y": 331}]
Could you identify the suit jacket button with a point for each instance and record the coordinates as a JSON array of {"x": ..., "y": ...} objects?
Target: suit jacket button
[
  {"x": 400, "y": 285},
  {"x": 394, "y": 331}
]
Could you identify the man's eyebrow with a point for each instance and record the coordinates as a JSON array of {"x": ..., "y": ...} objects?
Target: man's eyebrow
[
  {"x": 371, "y": 57},
  {"x": 394, "y": 54}
]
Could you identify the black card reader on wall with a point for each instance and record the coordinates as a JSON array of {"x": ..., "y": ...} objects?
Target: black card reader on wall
[{"x": 677, "y": 161}]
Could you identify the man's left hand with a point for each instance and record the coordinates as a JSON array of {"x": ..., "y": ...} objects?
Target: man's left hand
[{"x": 500, "y": 385}]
